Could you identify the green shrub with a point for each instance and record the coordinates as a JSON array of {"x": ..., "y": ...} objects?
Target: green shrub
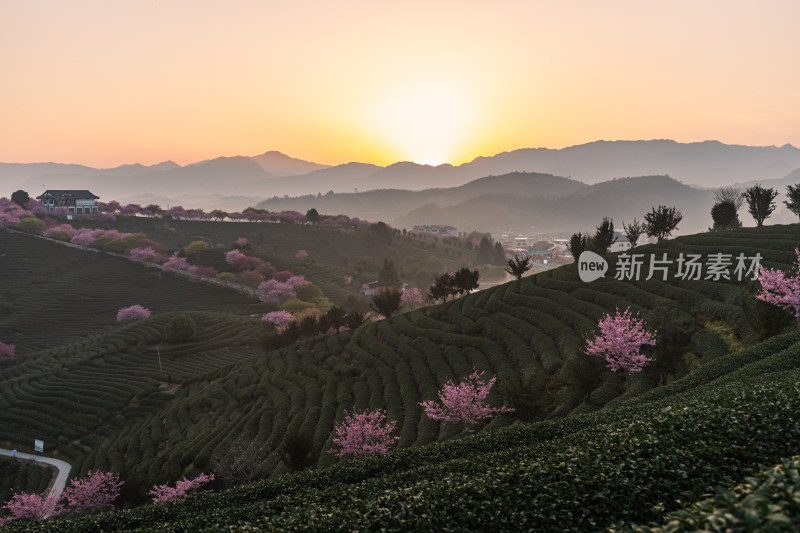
[
  {"x": 30, "y": 225},
  {"x": 182, "y": 328}
]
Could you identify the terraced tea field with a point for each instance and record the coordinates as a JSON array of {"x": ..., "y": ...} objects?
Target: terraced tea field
[
  {"x": 109, "y": 407},
  {"x": 60, "y": 294}
]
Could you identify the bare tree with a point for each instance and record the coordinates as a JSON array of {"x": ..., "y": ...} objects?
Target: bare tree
[
  {"x": 242, "y": 460},
  {"x": 633, "y": 231},
  {"x": 734, "y": 195}
]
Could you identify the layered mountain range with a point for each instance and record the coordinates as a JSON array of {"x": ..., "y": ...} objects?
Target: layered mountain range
[{"x": 533, "y": 189}]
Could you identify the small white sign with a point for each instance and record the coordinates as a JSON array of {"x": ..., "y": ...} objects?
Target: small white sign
[{"x": 38, "y": 445}]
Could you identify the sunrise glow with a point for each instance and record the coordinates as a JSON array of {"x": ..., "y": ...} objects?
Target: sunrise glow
[{"x": 105, "y": 83}]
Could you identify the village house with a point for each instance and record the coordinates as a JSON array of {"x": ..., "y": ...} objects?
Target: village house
[
  {"x": 77, "y": 202},
  {"x": 620, "y": 244},
  {"x": 437, "y": 229}
]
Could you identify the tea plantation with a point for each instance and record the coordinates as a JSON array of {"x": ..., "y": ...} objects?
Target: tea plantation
[
  {"x": 107, "y": 405},
  {"x": 24, "y": 476},
  {"x": 618, "y": 468},
  {"x": 55, "y": 294}
]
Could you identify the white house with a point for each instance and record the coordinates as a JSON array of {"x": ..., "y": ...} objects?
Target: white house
[
  {"x": 620, "y": 243},
  {"x": 78, "y": 202}
]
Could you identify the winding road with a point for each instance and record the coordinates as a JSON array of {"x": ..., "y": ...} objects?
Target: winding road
[{"x": 62, "y": 466}]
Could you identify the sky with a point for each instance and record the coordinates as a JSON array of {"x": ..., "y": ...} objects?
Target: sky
[{"x": 110, "y": 82}]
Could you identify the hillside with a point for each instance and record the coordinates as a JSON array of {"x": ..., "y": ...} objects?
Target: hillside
[
  {"x": 612, "y": 469},
  {"x": 59, "y": 295},
  {"x": 528, "y": 334},
  {"x": 333, "y": 252},
  {"x": 520, "y": 202}
]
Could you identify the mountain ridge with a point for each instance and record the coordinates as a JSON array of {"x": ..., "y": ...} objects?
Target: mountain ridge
[{"x": 706, "y": 164}]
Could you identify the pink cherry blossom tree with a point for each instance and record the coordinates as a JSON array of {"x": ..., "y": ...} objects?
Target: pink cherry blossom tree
[
  {"x": 364, "y": 433},
  {"x": 464, "y": 402},
  {"x": 619, "y": 343},
  {"x": 141, "y": 255},
  {"x": 175, "y": 263},
  {"x": 411, "y": 297},
  {"x": 134, "y": 312},
  {"x": 348, "y": 280},
  {"x": 111, "y": 207},
  {"x": 233, "y": 257},
  {"x": 181, "y": 490},
  {"x": 8, "y": 220},
  {"x": 296, "y": 281},
  {"x": 274, "y": 292},
  {"x": 279, "y": 319},
  {"x": 301, "y": 255},
  {"x": 94, "y": 493},
  {"x": 780, "y": 289},
  {"x": 86, "y": 236},
  {"x": 29, "y": 506},
  {"x": 282, "y": 275},
  {"x": 63, "y": 232},
  {"x": 7, "y": 351}
]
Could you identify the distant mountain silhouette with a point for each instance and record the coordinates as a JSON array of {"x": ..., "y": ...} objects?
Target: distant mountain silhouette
[
  {"x": 251, "y": 179},
  {"x": 279, "y": 164},
  {"x": 518, "y": 202}
]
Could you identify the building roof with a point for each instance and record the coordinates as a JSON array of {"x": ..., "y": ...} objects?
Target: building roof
[
  {"x": 67, "y": 193},
  {"x": 619, "y": 237}
]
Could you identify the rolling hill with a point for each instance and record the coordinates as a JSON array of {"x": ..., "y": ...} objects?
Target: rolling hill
[
  {"x": 519, "y": 202},
  {"x": 111, "y": 407}
]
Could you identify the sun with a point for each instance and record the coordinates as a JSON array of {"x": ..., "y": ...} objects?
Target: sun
[{"x": 424, "y": 122}]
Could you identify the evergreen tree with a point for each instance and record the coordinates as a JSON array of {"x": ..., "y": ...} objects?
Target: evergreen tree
[
  {"x": 604, "y": 236},
  {"x": 793, "y": 203},
  {"x": 443, "y": 286},
  {"x": 577, "y": 244},
  {"x": 386, "y": 301},
  {"x": 466, "y": 280},
  {"x": 336, "y": 317},
  {"x": 312, "y": 215},
  {"x": 724, "y": 216},
  {"x": 519, "y": 265},
  {"x": 484, "y": 252},
  {"x": 353, "y": 319},
  {"x": 20, "y": 198},
  {"x": 499, "y": 255},
  {"x": 760, "y": 202},
  {"x": 387, "y": 277}
]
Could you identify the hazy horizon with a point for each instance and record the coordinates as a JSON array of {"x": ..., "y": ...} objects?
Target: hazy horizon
[{"x": 106, "y": 84}]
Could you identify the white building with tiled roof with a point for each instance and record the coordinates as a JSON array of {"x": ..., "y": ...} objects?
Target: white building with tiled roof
[{"x": 78, "y": 202}]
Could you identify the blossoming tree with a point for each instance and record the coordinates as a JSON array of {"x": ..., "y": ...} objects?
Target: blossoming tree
[
  {"x": 463, "y": 403},
  {"x": 279, "y": 319},
  {"x": 364, "y": 433},
  {"x": 619, "y": 343},
  {"x": 30, "y": 506},
  {"x": 175, "y": 263},
  {"x": 134, "y": 312},
  {"x": 780, "y": 289},
  {"x": 141, "y": 255},
  {"x": 7, "y": 351},
  {"x": 94, "y": 493},
  {"x": 181, "y": 490}
]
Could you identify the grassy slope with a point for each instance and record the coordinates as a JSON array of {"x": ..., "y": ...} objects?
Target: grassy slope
[{"x": 393, "y": 364}]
